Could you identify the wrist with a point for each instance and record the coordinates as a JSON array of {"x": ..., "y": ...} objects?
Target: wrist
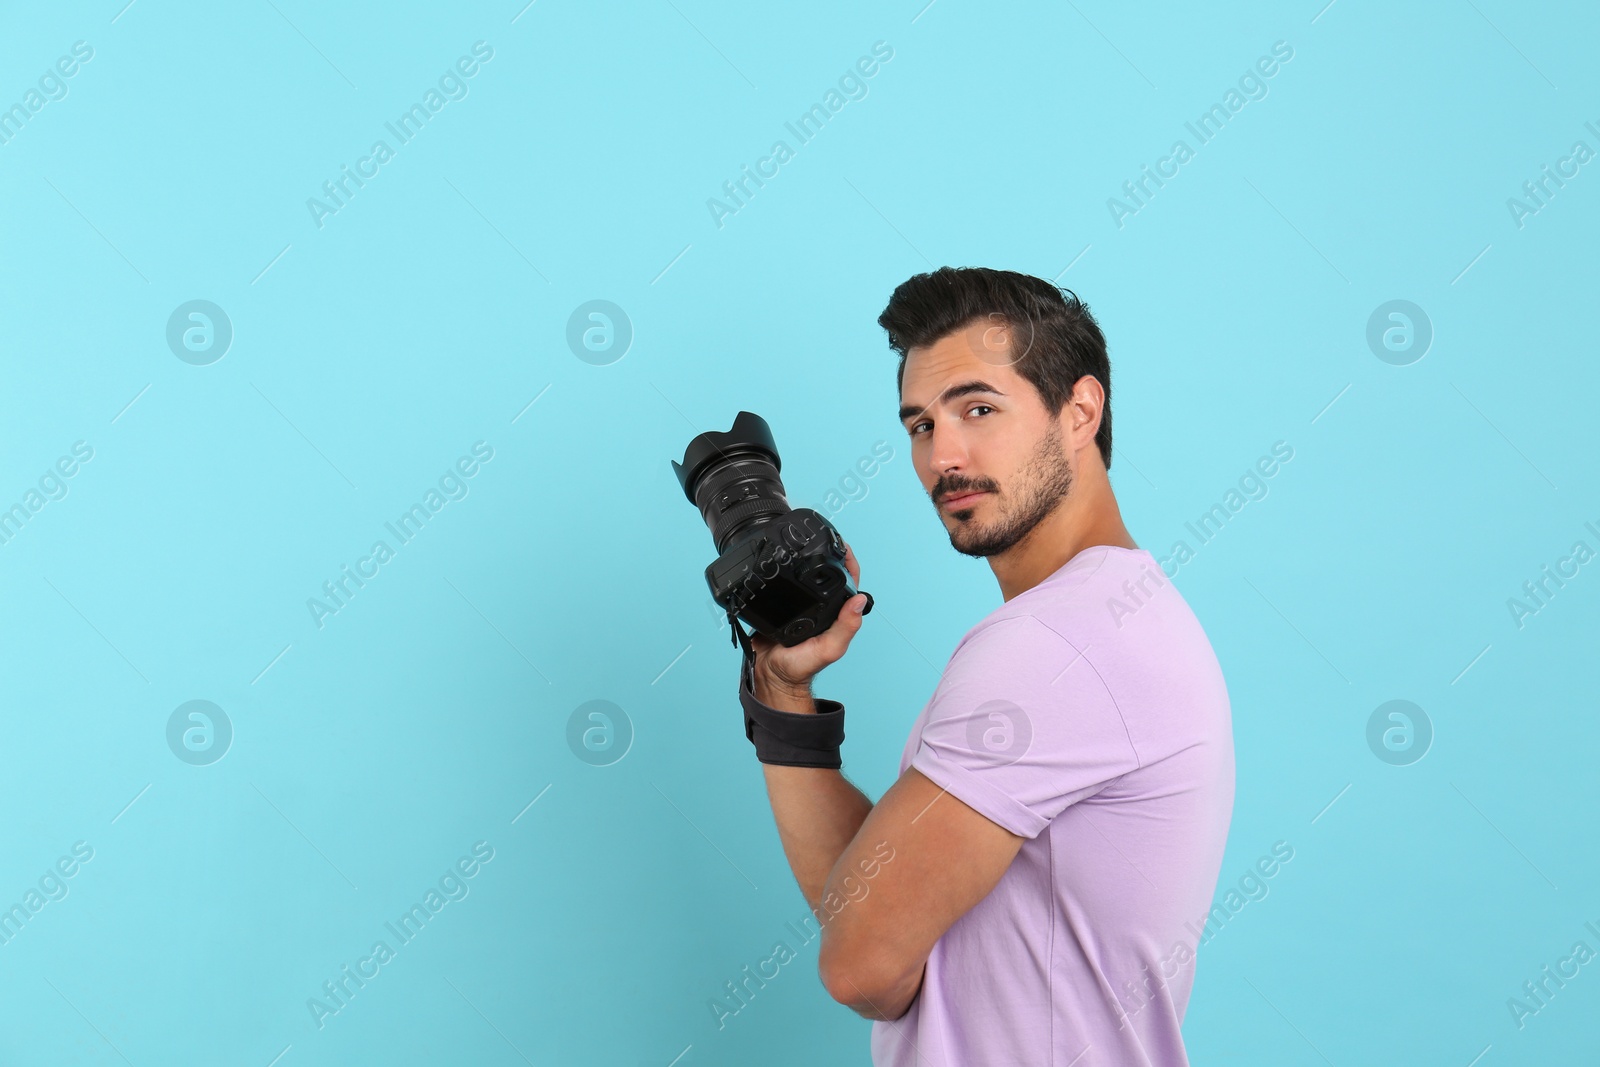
[
  {"x": 787, "y": 726},
  {"x": 783, "y": 696}
]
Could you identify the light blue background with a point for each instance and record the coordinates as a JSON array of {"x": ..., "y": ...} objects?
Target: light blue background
[{"x": 426, "y": 315}]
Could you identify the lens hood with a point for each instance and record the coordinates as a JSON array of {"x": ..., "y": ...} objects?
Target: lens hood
[{"x": 750, "y": 433}]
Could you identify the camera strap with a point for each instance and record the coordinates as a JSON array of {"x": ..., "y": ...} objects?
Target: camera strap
[{"x": 787, "y": 738}]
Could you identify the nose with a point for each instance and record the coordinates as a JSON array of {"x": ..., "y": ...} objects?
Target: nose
[{"x": 948, "y": 450}]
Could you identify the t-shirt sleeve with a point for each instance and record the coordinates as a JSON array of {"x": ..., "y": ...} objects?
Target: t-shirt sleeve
[{"x": 1021, "y": 726}]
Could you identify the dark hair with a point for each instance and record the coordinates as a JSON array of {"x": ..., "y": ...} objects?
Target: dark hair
[{"x": 1064, "y": 341}]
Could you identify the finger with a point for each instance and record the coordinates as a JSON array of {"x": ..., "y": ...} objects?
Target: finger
[
  {"x": 845, "y": 626},
  {"x": 851, "y": 564},
  {"x": 812, "y": 655}
]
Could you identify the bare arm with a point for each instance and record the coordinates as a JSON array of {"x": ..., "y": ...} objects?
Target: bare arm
[
  {"x": 885, "y": 881},
  {"x": 817, "y": 810},
  {"x": 880, "y": 914}
]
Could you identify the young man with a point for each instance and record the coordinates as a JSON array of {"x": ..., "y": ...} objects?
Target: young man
[{"x": 1027, "y": 891}]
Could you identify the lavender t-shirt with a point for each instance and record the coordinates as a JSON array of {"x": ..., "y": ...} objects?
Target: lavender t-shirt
[{"x": 1089, "y": 715}]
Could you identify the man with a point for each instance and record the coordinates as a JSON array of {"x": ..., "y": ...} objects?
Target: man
[{"x": 1026, "y": 892}]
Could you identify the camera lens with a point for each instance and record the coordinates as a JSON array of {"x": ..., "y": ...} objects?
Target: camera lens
[{"x": 733, "y": 478}]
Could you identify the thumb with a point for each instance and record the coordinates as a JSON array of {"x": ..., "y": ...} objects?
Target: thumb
[{"x": 848, "y": 622}]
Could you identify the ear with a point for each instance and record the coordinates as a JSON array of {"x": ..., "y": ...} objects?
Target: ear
[{"x": 1080, "y": 415}]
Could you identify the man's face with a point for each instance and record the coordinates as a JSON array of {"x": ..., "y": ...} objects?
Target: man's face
[{"x": 978, "y": 427}]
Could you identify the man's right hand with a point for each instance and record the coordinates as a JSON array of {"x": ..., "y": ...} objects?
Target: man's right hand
[{"x": 784, "y": 674}]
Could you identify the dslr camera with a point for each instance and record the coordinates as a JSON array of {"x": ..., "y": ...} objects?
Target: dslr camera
[{"x": 780, "y": 569}]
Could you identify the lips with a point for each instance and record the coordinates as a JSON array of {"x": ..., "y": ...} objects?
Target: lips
[{"x": 960, "y": 500}]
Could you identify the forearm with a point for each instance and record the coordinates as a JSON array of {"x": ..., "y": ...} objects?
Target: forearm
[{"x": 817, "y": 810}]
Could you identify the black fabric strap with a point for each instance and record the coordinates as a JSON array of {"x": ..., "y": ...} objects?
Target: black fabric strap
[{"x": 788, "y": 738}]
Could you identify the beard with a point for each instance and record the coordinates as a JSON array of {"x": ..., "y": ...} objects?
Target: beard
[{"x": 1039, "y": 488}]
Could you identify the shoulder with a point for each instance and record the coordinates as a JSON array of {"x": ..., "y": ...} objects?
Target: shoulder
[
  {"x": 1092, "y": 604},
  {"x": 1007, "y": 637}
]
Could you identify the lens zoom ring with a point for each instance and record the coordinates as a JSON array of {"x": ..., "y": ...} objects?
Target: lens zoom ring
[{"x": 746, "y": 508}]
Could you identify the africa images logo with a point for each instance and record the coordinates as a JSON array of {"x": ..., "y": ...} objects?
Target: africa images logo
[
  {"x": 452, "y": 85},
  {"x": 452, "y": 485},
  {"x": 453, "y": 885},
  {"x": 852, "y": 85}
]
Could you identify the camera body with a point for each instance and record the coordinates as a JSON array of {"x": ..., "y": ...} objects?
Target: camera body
[
  {"x": 786, "y": 579},
  {"x": 780, "y": 569}
]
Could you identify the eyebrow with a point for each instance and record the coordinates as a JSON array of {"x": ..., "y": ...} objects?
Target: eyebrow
[{"x": 953, "y": 392}]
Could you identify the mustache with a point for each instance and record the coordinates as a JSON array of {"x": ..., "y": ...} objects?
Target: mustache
[{"x": 949, "y": 489}]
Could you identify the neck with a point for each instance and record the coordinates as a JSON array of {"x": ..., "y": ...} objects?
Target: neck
[{"x": 1086, "y": 517}]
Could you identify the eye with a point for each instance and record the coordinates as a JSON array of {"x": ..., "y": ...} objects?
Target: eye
[{"x": 976, "y": 407}]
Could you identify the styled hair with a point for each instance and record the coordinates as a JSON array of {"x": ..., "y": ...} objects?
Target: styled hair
[{"x": 1060, "y": 338}]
